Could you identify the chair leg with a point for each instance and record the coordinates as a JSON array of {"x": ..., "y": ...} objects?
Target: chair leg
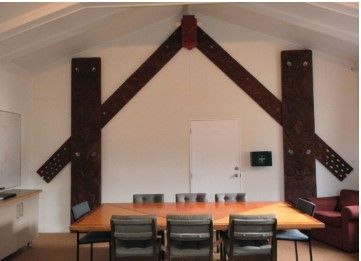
[
  {"x": 217, "y": 238},
  {"x": 77, "y": 246},
  {"x": 110, "y": 251},
  {"x": 310, "y": 248},
  {"x": 223, "y": 253},
  {"x": 296, "y": 250},
  {"x": 91, "y": 251}
]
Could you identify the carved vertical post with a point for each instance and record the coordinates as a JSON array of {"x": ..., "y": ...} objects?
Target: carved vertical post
[
  {"x": 298, "y": 124},
  {"x": 86, "y": 131}
]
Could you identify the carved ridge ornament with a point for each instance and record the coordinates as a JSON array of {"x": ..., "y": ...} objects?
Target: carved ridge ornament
[{"x": 226, "y": 63}]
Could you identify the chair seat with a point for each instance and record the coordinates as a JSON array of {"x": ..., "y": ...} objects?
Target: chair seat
[
  {"x": 253, "y": 250},
  {"x": 292, "y": 235},
  {"x": 135, "y": 250},
  {"x": 182, "y": 251},
  {"x": 332, "y": 218},
  {"x": 247, "y": 247},
  {"x": 95, "y": 237}
]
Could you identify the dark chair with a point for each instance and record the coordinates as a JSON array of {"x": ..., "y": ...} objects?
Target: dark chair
[
  {"x": 190, "y": 197},
  {"x": 134, "y": 238},
  {"x": 227, "y": 197},
  {"x": 230, "y": 197},
  {"x": 341, "y": 217},
  {"x": 148, "y": 198},
  {"x": 189, "y": 237},
  {"x": 79, "y": 211},
  {"x": 250, "y": 237},
  {"x": 296, "y": 235}
]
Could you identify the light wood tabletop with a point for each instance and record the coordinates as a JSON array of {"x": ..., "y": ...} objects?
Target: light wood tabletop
[{"x": 287, "y": 216}]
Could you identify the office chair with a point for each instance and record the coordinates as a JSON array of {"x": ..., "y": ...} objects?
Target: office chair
[
  {"x": 250, "y": 237},
  {"x": 79, "y": 211},
  {"x": 189, "y": 237},
  {"x": 296, "y": 235},
  {"x": 230, "y": 197},
  {"x": 148, "y": 198},
  {"x": 134, "y": 238},
  {"x": 190, "y": 197},
  {"x": 225, "y": 198}
]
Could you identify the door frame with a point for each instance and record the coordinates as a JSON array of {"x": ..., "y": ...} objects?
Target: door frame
[{"x": 190, "y": 148}]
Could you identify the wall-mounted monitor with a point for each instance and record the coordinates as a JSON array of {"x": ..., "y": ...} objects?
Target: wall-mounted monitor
[
  {"x": 10, "y": 149},
  {"x": 261, "y": 158}
]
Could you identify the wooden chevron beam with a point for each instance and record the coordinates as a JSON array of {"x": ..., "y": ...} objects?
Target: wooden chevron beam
[
  {"x": 225, "y": 62},
  {"x": 118, "y": 99},
  {"x": 264, "y": 98}
]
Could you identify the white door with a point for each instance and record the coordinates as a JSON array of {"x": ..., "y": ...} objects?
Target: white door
[{"x": 214, "y": 162}]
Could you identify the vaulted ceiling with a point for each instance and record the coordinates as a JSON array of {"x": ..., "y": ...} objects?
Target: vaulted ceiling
[{"x": 35, "y": 34}]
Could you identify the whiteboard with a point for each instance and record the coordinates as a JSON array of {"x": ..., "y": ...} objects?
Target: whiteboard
[{"x": 10, "y": 149}]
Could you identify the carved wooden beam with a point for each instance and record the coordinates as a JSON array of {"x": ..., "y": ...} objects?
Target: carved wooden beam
[
  {"x": 118, "y": 99},
  {"x": 330, "y": 159},
  {"x": 247, "y": 82},
  {"x": 298, "y": 124},
  {"x": 189, "y": 32},
  {"x": 239, "y": 75},
  {"x": 263, "y": 97},
  {"x": 141, "y": 77},
  {"x": 86, "y": 131},
  {"x": 56, "y": 162}
]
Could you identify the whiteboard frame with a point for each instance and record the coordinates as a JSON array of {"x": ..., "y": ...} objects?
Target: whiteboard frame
[{"x": 20, "y": 154}]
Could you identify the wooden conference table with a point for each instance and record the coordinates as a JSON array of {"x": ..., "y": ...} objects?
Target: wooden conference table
[{"x": 287, "y": 216}]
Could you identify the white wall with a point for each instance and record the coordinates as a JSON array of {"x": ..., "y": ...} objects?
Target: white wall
[{"x": 145, "y": 148}]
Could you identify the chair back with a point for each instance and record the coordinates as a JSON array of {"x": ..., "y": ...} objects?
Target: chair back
[
  {"x": 148, "y": 198},
  {"x": 80, "y": 210},
  {"x": 348, "y": 197},
  {"x": 230, "y": 197},
  {"x": 190, "y": 236},
  {"x": 305, "y": 206},
  {"x": 190, "y": 197},
  {"x": 253, "y": 235},
  {"x": 134, "y": 236}
]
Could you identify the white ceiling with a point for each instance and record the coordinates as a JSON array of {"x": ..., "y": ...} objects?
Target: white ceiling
[{"x": 35, "y": 34}]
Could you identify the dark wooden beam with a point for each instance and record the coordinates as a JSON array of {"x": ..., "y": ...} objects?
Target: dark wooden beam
[
  {"x": 298, "y": 124},
  {"x": 56, "y": 162},
  {"x": 239, "y": 75},
  {"x": 189, "y": 32},
  {"x": 264, "y": 98},
  {"x": 86, "y": 131},
  {"x": 118, "y": 99},
  {"x": 330, "y": 159},
  {"x": 141, "y": 77},
  {"x": 247, "y": 82}
]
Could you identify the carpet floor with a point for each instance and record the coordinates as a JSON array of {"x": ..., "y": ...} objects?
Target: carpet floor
[{"x": 59, "y": 247}]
